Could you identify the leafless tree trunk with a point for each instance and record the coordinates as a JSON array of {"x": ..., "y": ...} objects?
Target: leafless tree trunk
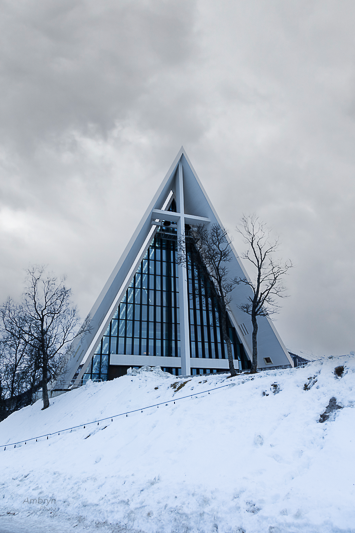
[{"x": 267, "y": 283}]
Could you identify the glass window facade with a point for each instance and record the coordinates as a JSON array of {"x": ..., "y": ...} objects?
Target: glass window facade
[{"x": 147, "y": 320}]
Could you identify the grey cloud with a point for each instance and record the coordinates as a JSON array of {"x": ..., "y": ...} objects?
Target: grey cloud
[{"x": 74, "y": 65}]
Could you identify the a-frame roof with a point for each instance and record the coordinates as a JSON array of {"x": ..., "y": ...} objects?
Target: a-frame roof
[{"x": 197, "y": 204}]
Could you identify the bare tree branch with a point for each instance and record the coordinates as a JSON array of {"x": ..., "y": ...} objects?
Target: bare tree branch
[
  {"x": 45, "y": 323},
  {"x": 267, "y": 284}
]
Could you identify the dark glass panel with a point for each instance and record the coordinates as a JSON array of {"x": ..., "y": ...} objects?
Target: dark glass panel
[
  {"x": 121, "y": 330},
  {"x": 151, "y": 347},
  {"x": 105, "y": 344},
  {"x": 205, "y": 332},
  {"x": 144, "y": 348},
  {"x": 137, "y": 328},
  {"x": 213, "y": 351},
  {"x": 206, "y": 350},
  {"x": 120, "y": 348},
  {"x": 166, "y": 331},
  {"x": 166, "y": 346},
  {"x": 137, "y": 312},
  {"x": 104, "y": 364},
  {"x": 151, "y": 297},
  {"x": 130, "y": 295},
  {"x": 151, "y": 313},
  {"x": 145, "y": 281},
  {"x": 198, "y": 331},
  {"x": 138, "y": 281},
  {"x": 136, "y": 350},
  {"x": 137, "y": 296},
  {"x": 114, "y": 327},
  {"x": 122, "y": 311},
  {"x": 144, "y": 312},
  {"x": 130, "y": 312},
  {"x": 158, "y": 297},
  {"x": 151, "y": 330},
  {"x": 158, "y": 283},
  {"x": 200, "y": 353},
  {"x": 96, "y": 364},
  {"x": 129, "y": 328},
  {"x": 158, "y": 347},
  {"x": 113, "y": 345},
  {"x": 128, "y": 346}
]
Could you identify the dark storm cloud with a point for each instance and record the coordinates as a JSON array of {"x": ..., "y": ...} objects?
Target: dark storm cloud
[{"x": 97, "y": 98}]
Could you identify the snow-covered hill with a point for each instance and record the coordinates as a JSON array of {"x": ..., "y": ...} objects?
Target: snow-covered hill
[{"x": 252, "y": 456}]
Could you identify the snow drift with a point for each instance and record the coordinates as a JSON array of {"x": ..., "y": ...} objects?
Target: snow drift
[{"x": 270, "y": 453}]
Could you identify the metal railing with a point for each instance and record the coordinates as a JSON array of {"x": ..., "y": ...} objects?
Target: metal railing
[{"x": 111, "y": 418}]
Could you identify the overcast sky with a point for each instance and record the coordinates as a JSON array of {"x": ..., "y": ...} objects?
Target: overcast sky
[{"x": 98, "y": 97}]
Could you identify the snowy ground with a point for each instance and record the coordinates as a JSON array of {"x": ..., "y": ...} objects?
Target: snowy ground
[{"x": 249, "y": 457}]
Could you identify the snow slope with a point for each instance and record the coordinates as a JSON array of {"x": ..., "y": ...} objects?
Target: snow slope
[{"x": 250, "y": 457}]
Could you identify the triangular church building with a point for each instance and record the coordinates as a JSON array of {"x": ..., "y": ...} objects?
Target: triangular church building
[{"x": 153, "y": 311}]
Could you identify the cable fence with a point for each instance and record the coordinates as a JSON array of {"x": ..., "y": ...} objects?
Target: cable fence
[{"x": 110, "y": 418}]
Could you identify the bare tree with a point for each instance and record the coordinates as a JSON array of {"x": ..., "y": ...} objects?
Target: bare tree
[
  {"x": 45, "y": 323},
  {"x": 267, "y": 284},
  {"x": 211, "y": 249}
]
